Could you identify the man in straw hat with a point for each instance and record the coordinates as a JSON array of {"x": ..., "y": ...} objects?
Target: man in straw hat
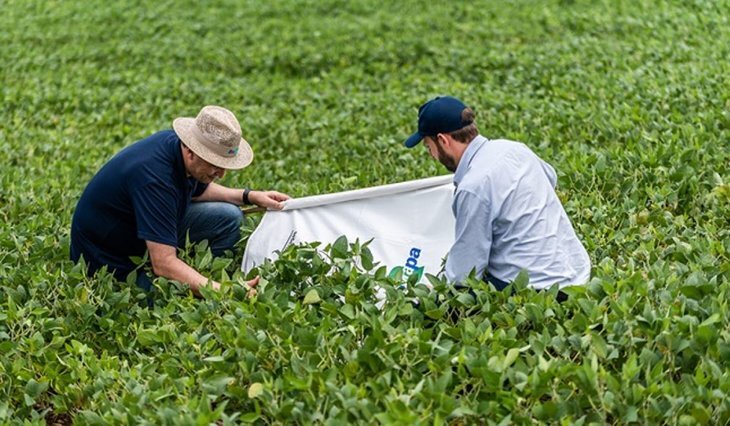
[
  {"x": 141, "y": 200},
  {"x": 508, "y": 216}
]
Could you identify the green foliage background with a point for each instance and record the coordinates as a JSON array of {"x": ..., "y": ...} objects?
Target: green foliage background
[{"x": 629, "y": 100}]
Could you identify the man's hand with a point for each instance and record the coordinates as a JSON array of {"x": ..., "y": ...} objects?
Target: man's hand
[
  {"x": 165, "y": 263},
  {"x": 268, "y": 199},
  {"x": 251, "y": 285}
]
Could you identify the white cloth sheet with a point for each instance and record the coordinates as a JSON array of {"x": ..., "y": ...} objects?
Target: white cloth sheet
[{"x": 410, "y": 223}]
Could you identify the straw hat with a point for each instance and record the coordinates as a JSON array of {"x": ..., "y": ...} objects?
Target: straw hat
[{"x": 215, "y": 136}]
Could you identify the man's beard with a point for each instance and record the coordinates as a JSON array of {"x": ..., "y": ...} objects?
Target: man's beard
[{"x": 445, "y": 159}]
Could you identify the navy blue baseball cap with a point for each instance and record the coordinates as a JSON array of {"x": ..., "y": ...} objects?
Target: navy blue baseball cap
[{"x": 441, "y": 114}]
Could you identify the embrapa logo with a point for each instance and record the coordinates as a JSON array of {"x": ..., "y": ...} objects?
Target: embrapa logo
[{"x": 411, "y": 266}]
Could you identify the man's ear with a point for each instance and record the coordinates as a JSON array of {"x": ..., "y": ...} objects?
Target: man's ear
[{"x": 443, "y": 140}]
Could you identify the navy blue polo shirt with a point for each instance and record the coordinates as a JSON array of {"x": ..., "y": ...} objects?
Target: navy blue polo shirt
[{"x": 140, "y": 194}]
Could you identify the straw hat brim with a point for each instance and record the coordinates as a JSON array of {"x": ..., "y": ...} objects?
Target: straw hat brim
[{"x": 186, "y": 131}]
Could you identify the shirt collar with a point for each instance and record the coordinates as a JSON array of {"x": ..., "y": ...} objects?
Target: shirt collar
[{"x": 474, "y": 146}]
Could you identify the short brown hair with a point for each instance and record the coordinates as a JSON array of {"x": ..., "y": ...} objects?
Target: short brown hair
[{"x": 469, "y": 131}]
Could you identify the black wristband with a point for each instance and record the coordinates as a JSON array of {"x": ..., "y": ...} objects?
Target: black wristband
[{"x": 245, "y": 200}]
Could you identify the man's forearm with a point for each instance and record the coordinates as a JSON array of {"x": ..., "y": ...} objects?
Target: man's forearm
[
  {"x": 216, "y": 192},
  {"x": 268, "y": 199},
  {"x": 176, "y": 269}
]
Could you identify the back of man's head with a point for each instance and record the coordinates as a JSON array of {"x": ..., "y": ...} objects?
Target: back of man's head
[{"x": 444, "y": 114}]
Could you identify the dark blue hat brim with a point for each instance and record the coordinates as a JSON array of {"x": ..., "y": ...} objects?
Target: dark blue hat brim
[{"x": 413, "y": 140}]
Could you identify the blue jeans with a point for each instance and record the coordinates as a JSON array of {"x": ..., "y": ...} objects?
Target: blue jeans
[
  {"x": 217, "y": 222},
  {"x": 496, "y": 282},
  {"x": 501, "y": 285}
]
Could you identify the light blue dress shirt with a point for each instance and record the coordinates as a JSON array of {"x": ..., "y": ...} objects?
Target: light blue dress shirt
[{"x": 509, "y": 218}]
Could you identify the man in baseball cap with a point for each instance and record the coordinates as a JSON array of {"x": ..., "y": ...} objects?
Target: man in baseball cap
[
  {"x": 160, "y": 191},
  {"x": 508, "y": 216}
]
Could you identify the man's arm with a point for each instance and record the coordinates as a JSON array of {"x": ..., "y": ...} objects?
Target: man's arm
[
  {"x": 549, "y": 172},
  {"x": 473, "y": 238},
  {"x": 269, "y": 199},
  {"x": 165, "y": 263}
]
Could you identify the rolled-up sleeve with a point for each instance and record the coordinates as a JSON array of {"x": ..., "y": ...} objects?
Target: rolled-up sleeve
[{"x": 473, "y": 237}]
